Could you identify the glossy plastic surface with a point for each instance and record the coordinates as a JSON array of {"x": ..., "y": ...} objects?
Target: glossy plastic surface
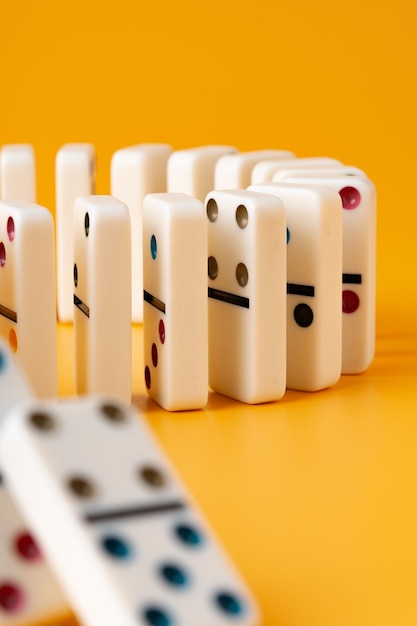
[{"x": 312, "y": 495}]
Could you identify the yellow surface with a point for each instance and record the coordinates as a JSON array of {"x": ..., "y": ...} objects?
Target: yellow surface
[
  {"x": 60, "y": 620},
  {"x": 314, "y": 496}
]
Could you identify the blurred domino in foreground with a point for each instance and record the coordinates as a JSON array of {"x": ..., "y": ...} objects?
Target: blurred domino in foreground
[
  {"x": 17, "y": 173},
  {"x": 123, "y": 536},
  {"x": 247, "y": 295},
  {"x": 136, "y": 171},
  {"x": 74, "y": 176},
  {"x": 28, "y": 291},
  {"x": 29, "y": 595}
]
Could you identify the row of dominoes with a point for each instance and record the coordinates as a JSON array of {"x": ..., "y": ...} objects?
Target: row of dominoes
[
  {"x": 252, "y": 236},
  {"x": 111, "y": 527},
  {"x": 122, "y": 542},
  {"x": 135, "y": 172},
  {"x": 291, "y": 289}
]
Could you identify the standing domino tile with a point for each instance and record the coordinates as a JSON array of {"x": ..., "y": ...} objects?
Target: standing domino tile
[
  {"x": 317, "y": 172},
  {"x": 359, "y": 268},
  {"x": 314, "y": 290},
  {"x": 175, "y": 293},
  {"x": 135, "y": 172},
  {"x": 74, "y": 176},
  {"x": 264, "y": 171},
  {"x": 192, "y": 171},
  {"x": 17, "y": 173},
  {"x": 247, "y": 295},
  {"x": 28, "y": 291},
  {"x": 102, "y": 313},
  {"x": 125, "y": 539},
  {"x": 234, "y": 171},
  {"x": 29, "y": 595}
]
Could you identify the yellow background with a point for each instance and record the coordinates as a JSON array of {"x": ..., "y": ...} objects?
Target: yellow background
[{"x": 315, "y": 496}]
